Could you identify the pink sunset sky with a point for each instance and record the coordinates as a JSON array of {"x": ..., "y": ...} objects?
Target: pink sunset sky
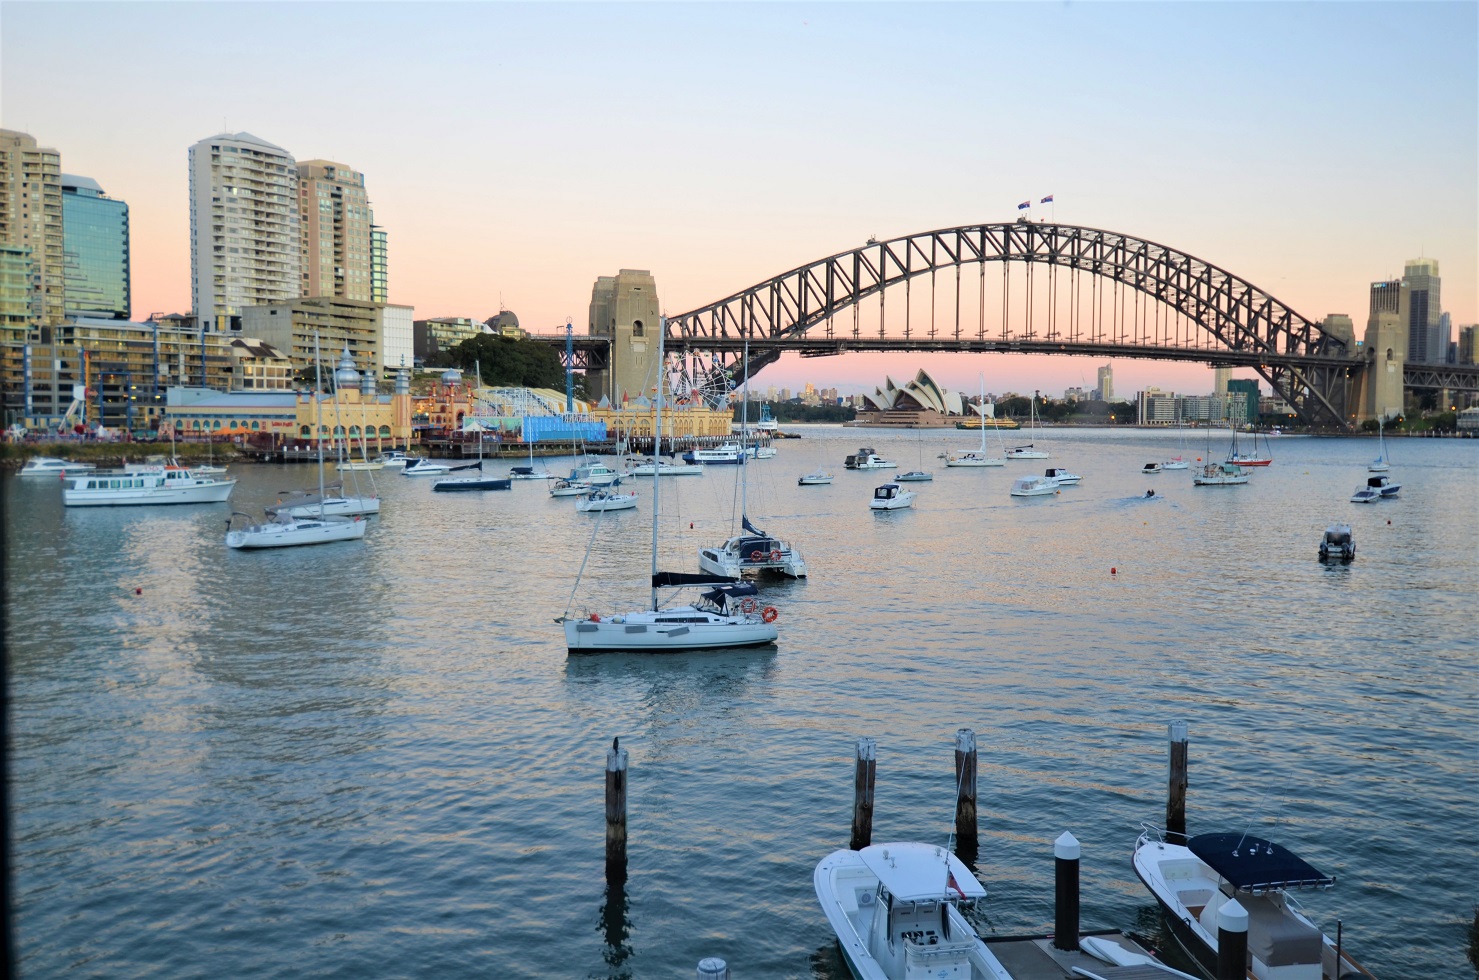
[{"x": 516, "y": 152}]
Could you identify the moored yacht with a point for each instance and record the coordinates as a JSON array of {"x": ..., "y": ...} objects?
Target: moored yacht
[
  {"x": 602, "y": 499},
  {"x": 729, "y": 452},
  {"x": 891, "y": 496},
  {"x": 753, "y": 552},
  {"x": 51, "y": 466},
  {"x": 284, "y": 531},
  {"x": 1338, "y": 543},
  {"x": 867, "y": 459},
  {"x": 172, "y": 485},
  {"x": 1219, "y": 475},
  {"x": 1061, "y": 476},
  {"x": 816, "y": 478},
  {"x": 1033, "y": 486}
]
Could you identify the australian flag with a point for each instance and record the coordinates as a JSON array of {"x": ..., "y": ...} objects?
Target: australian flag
[
  {"x": 1024, "y": 205},
  {"x": 1046, "y": 200}
]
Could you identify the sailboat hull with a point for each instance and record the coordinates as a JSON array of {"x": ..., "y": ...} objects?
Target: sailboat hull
[
  {"x": 669, "y": 631},
  {"x": 973, "y": 459},
  {"x": 292, "y": 534}
]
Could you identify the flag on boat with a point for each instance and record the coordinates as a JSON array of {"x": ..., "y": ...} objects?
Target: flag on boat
[
  {"x": 1024, "y": 205},
  {"x": 1046, "y": 200}
]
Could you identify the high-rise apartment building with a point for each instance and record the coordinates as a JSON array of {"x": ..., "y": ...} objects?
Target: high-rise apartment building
[
  {"x": 31, "y": 217},
  {"x": 95, "y": 254},
  {"x": 1105, "y": 386},
  {"x": 379, "y": 265},
  {"x": 335, "y": 230},
  {"x": 1421, "y": 311},
  {"x": 244, "y": 232},
  {"x": 1466, "y": 337}
]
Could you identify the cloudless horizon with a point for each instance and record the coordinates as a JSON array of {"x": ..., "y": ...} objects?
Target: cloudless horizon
[{"x": 515, "y": 152}]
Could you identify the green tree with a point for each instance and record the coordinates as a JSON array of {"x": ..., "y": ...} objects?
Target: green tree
[{"x": 508, "y": 362}]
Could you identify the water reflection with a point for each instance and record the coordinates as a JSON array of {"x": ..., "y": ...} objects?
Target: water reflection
[{"x": 615, "y": 922}]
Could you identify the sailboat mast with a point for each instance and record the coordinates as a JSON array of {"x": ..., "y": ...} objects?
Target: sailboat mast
[
  {"x": 318, "y": 416},
  {"x": 745, "y": 434},
  {"x": 662, "y": 333}
]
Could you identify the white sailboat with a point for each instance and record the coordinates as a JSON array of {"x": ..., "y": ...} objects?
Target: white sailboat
[
  {"x": 1029, "y": 451},
  {"x": 1177, "y": 462},
  {"x": 726, "y": 615},
  {"x": 285, "y": 530},
  {"x": 1381, "y": 463},
  {"x": 978, "y": 457}
]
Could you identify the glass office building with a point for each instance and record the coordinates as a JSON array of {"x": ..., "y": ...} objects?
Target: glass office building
[{"x": 95, "y": 250}]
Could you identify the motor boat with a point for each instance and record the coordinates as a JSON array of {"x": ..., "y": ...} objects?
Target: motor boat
[
  {"x": 767, "y": 422},
  {"x": 416, "y": 466},
  {"x": 1365, "y": 495},
  {"x": 897, "y": 912},
  {"x": 288, "y": 532},
  {"x": 1219, "y": 475},
  {"x": 569, "y": 488},
  {"x": 867, "y": 459},
  {"x": 891, "y": 496},
  {"x": 172, "y": 485},
  {"x": 471, "y": 483},
  {"x": 1150, "y": 468},
  {"x": 1061, "y": 476},
  {"x": 729, "y": 452},
  {"x": 1384, "y": 486},
  {"x": 596, "y": 474},
  {"x": 1245, "y": 876},
  {"x": 753, "y": 552},
  {"x": 1033, "y": 486},
  {"x": 915, "y": 476},
  {"x": 816, "y": 478},
  {"x": 395, "y": 460},
  {"x": 601, "y": 499},
  {"x": 1337, "y": 543},
  {"x": 51, "y": 466}
]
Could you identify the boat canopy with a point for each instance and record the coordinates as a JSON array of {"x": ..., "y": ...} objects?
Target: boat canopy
[
  {"x": 914, "y": 872},
  {"x": 1253, "y": 864},
  {"x": 677, "y": 580}
]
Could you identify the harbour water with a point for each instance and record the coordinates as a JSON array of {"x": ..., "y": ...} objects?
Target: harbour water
[{"x": 376, "y": 759}]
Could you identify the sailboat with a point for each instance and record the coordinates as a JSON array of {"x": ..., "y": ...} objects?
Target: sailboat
[
  {"x": 1252, "y": 457},
  {"x": 530, "y": 472},
  {"x": 1381, "y": 463},
  {"x": 1028, "y": 451},
  {"x": 920, "y": 475},
  {"x": 726, "y": 614},
  {"x": 1177, "y": 462},
  {"x": 472, "y": 483},
  {"x": 331, "y": 498},
  {"x": 286, "y": 530},
  {"x": 752, "y": 551},
  {"x": 978, "y": 457}
]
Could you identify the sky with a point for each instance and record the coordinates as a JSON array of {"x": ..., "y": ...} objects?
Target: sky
[{"x": 515, "y": 152}]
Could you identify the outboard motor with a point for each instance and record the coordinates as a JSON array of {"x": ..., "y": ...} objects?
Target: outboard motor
[{"x": 1338, "y": 543}]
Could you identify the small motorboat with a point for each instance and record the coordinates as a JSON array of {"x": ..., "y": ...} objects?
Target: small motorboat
[
  {"x": 1250, "y": 878},
  {"x": 1365, "y": 495},
  {"x": 1033, "y": 486},
  {"x": 394, "y": 460},
  {"x": 51, "y": 466},
  {"x": 1338, "y": 543},
  {"x": 1150, "y": 468},
  {"x": 816, "y": 478},
  {"x": 415, "y": 466},
  {"x": 1384, "y": 486},
  {"x": 867, "y": 459},
  {"x": 915, "y": 476},
  {"x": 1061, "y": 476},
  {"x": 601, "y": 499},
  {"x": 891, "y": 496}
]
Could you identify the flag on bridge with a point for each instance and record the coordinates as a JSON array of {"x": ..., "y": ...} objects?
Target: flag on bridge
[
  {"x": 1024, "y": 205},
  {"x": 1046, "y": 200}
]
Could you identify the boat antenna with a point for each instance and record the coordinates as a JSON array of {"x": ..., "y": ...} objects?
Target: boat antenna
[{"x": 662, "y": 333}]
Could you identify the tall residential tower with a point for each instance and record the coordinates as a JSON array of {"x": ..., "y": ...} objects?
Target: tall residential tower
[
  {"x": 336, "y": 239},
  {"x": 244, "y": 234},
  {"x": 95, "y": 258},
  {"x": 31, "y": 218}
]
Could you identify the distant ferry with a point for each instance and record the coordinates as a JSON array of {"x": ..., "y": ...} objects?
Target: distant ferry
[{"x": 977, "y": 423}]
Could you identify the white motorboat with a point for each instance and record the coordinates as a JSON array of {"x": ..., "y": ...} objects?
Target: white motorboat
[
  {"x": 867, "y": 459},
  {"x": 601, "y": 499},
  {"x": 1381, "y": 463},
  {"x": 51, "y": 466},
  {"x": 417, "y": 466},
  {"x": 172, "y": 485},
  {"x": 753, "y": 552},
  {"x": 569, "y": 488},
  {"x": 1033, "y": 486},
  {"x": 1384, "y": 486},
  {"x": 1338, "y": 543},
  {"x": 915, "y": 476},
  {"x": 816, "y": 478},
  {"x": 289, "y": 532},
  {"x": 1247, "y": 878},
  {"x": 395, "y": 460},
  {"x": 727, "y": 614},
  {"x": 1151, "y": 468},
  {"x": 1365, "y": 495},
  {"x": 767, "y": 422},
  {"x": 979, "y": 457},
  {"x": 891, "y": 496},
  {"x": 1219, "y": 475},
  {"x": 729, "y": 452},
  {"x": 896, "y": 911},
  {"x": 649, "y": 467},
  {"x": 597, "y": 474},
  {"x": 1061, "y": 476}
]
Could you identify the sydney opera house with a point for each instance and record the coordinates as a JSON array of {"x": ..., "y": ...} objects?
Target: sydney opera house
[{"x": 920, "y": 403}]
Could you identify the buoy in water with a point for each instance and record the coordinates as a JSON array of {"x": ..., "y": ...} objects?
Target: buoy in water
[
  {"x": 138, "y": 591},
  {"x": 1113, "y": 571}
]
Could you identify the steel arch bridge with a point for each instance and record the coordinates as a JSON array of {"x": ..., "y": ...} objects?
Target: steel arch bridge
[{"x": 1062, "y": 289}]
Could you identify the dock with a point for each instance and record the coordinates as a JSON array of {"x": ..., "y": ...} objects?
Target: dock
[{"x": 1036, "y": 958}]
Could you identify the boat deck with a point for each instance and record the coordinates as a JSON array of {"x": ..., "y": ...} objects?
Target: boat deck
[{"x": 1035, "y": 958}]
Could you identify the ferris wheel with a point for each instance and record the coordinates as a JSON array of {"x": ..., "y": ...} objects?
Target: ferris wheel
[{"x": 698, "y": 376}]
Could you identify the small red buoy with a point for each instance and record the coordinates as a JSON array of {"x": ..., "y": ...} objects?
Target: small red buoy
[
  {"x": 1114, "y": 571},
  {"x": 690, "y": 525},
  {"x": 1389, "y": 520},
  {"x": 138, "y": 591}
]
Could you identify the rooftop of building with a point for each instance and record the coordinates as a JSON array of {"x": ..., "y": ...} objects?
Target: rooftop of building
[{"x": 244, "y": 137}]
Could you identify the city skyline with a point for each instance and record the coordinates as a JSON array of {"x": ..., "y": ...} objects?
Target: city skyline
[{"x": 564, "y": 154}]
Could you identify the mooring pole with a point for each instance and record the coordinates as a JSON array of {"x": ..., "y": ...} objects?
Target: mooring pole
[
  {"x": 1176, "y": 788},
  {"x": 965, "y": 793},
  {"x": 862, "y": 794},
  {"x": 1232, "y": 941},
  {"x": 1065, "y": 892},
  {"x": 713, "y": 968},
  {"x": 616, "y": 805}
]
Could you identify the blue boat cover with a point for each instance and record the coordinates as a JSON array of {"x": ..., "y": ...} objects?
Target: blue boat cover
[{"x": 1254, "y": 864}]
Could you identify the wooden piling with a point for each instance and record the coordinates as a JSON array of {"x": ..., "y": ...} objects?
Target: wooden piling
[
  {"x": 1176, "y": 788},
  {"x": 616, "y": 804},
  {"x": 965, "y": 782},
  {"x": 1065, "y": 892},
  {"x": 862, "y": 798}
]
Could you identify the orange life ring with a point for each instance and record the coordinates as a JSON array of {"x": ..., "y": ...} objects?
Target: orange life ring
[
  {"x": 747, "y": 605},
  {"x": 757, "y": 555},
  {"x": 770, "y": 614},
  {"x": 775, "y": 555}
]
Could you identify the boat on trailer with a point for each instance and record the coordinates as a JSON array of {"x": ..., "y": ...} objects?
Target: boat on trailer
[{"x": 1193, "y": 882}]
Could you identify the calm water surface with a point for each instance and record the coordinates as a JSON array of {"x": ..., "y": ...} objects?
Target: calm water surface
[{"x": 376, "y": 758}]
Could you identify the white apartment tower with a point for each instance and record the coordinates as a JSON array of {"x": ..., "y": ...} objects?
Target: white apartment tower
[
  {"x": 244, "y": 235},
  {"x": 1106, "y": 383},
  {"x": 336, "y": 236},
  {"x": 31, "y": 219}
]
